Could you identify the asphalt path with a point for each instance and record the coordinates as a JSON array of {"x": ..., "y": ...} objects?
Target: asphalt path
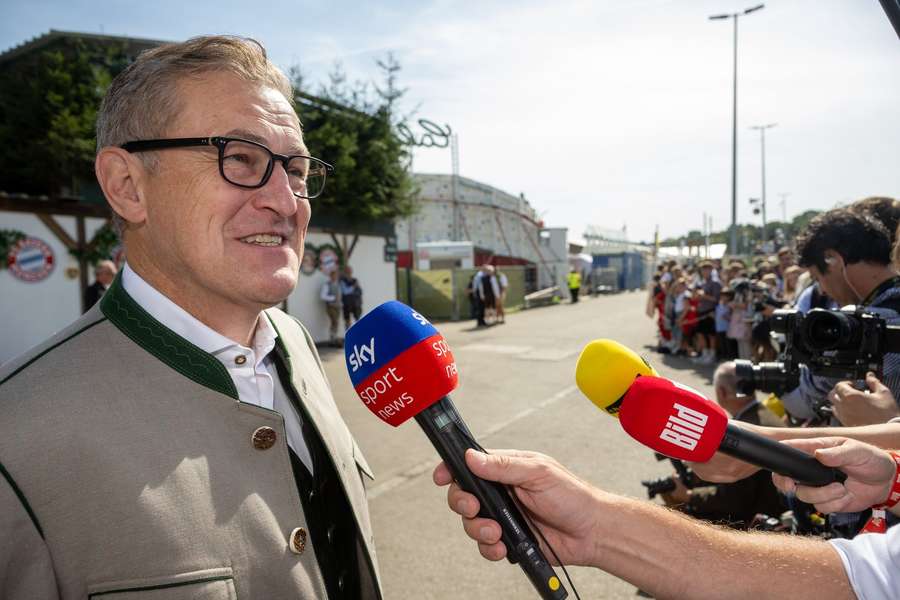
[{"x": 517, "y": 390}]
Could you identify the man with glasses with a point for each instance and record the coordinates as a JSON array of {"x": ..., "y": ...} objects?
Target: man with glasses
[{"x": 181, "y": 436}]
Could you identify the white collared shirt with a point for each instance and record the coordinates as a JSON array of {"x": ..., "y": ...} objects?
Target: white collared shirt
[{"x": 252, "y": 369}]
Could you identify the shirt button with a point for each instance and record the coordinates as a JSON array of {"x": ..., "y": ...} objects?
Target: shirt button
[
  {"x": 297, "y": 541},
  {"x": 240, "y": 359},
  {"x": 330, "y": 534},
  {"x": 264, "y": 438}
]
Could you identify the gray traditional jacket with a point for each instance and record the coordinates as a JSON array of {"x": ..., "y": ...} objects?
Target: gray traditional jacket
[{"x": 130, "y": 469}]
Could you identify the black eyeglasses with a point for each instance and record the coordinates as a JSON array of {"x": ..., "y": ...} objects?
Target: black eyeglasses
[{"x": 249, "y": 164}]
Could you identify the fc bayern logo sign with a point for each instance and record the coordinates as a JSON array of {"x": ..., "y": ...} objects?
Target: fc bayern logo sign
[{"x": 31, "y": 260}]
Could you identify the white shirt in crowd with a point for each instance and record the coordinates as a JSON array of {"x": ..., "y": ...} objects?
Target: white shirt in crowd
[{"x": 252, "y": 369}]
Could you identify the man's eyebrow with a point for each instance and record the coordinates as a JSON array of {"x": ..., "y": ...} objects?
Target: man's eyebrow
[{"x": 252, "y": 137}]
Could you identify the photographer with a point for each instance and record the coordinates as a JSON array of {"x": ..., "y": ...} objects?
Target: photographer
[{"x": 849, "y": 255}]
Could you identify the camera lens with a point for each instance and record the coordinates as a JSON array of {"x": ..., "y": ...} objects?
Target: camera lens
[{"x": 828, "y": 330}]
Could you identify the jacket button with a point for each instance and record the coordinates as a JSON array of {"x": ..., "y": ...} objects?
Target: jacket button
[
  {"x": 264, "y": 438},
  {"x": 297, "y": 542}
]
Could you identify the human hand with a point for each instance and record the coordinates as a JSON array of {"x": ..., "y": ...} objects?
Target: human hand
[
  {"x": 561, "y": 505},
  {"x": 870, "y": 475},
  {"x": 863, "y": 407},
  {"x": 680, "y": 495}
]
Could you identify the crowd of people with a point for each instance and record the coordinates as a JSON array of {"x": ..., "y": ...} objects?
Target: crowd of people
[{"x": 716, "y": 310}]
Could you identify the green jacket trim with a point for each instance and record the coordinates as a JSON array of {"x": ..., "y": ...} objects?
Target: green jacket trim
[
  {"x": 163, "y": 343},
  {"x": 21, "y": 496},
  {"x": 162, "y": 586}
]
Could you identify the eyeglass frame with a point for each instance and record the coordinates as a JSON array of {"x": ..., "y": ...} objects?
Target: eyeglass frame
[{"x": 220, "y": 142}]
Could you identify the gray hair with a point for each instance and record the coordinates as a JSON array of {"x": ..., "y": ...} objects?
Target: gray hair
[
  {"x": 726, "y": 377},
  {"x": 143, "y": 99}
]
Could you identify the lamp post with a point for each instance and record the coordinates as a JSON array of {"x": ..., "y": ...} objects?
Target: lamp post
[
  {"x": 762, "y": 140},
  {"x": 746, "y": 11}
]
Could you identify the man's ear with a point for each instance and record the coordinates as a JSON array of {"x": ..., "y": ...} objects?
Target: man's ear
[
  {"x": 118, "y": 173},
  {"x": 833, "y": 259}
]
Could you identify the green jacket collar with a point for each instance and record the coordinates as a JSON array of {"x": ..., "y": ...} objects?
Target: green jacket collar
[{"x": 160, "y": 341}]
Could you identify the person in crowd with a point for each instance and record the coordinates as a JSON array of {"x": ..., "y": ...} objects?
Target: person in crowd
[
  {"x": 181, "y": 438},
  {"x": 472, "y": 294},
  {"x": 735, "y": 504},
  {"x": 791, "y": 288},
  {"x": 503, "y": 287},
  {"x": 707, "y": 295},
  {"x": 104, "y": 273},
  {"x": 487, "y": 290},
  {"x": 724, "y": 349},
  {"x": 883, "y": 209},
  {"x": 330, "y": 294},
  {"x": 351, "y": 297},
  {"x": 676, "y": 307},
  {"x": 670, "y": 555},
  {"x": 574, "y": 283},
  {"x": 739, "y": 327}
]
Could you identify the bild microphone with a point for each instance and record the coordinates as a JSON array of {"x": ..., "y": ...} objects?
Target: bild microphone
[
  {"x": 401, "y": 367},
  {"x": 613, "y": 377},
  {"x": 677, "y": 421}
]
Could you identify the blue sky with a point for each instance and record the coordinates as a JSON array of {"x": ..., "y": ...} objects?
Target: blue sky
[{"x": 602, "y": 112}]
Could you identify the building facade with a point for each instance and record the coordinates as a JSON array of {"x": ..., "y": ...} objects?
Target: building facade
[{"x": 504, "y": 229}]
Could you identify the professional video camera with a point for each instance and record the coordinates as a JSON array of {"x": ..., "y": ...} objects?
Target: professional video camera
[
  {"x": 843, "y": 344},
  {"x": 664, "y": 485}
]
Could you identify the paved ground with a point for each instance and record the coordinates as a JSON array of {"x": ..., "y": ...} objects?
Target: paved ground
[{"x": 517, "y": 390}]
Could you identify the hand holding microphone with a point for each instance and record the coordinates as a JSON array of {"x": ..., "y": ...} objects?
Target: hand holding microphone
[
  {"x": 401, "y": 367},
  {"x": 870, "y": 474},
  {"x": 677, "y": 421}
]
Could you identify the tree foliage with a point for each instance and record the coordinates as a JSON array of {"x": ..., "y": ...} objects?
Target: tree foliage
[
  {"x": 353, "y": 127},
  {"x": 48, "y": 112}
]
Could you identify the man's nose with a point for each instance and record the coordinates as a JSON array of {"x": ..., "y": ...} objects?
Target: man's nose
[{"x": 277, "y": 194}]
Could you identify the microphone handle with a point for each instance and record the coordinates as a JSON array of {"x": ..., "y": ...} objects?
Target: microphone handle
[
  {"x": 451, "y": 438},
  {"x": 780, "y": 458}
]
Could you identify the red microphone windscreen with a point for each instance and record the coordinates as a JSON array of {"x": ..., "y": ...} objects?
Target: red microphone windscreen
[{"x": 673, "y": 419}]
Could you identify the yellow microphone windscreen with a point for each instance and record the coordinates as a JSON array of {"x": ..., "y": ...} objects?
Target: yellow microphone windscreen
[{"x": 605, "y": 371}]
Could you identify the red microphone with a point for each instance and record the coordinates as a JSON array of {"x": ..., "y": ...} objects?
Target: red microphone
[{"x": 677, "y": 421}]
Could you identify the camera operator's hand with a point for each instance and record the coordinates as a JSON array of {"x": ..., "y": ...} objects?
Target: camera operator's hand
[
  {"x": 870, "y": 475},
  {"x": 863, "y": 407},
  {"x": 564, "y": 507},
  {"x": 680, "y": 495}
]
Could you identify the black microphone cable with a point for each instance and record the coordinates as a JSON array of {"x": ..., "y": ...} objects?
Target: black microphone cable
[{"x": 525, "y": 514}]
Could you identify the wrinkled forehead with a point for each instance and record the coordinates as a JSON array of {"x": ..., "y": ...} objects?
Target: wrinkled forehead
[{"x": 222, "y": 103}]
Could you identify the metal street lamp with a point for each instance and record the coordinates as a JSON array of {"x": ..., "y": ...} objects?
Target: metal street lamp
[
  {"x": 762, "y": 139},
  {"x": 747, "y": 11}
]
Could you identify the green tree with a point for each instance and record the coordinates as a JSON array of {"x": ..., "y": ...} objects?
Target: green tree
[
  {"x": 354, "y": 128},
  {"x": 48, "y": 111}
]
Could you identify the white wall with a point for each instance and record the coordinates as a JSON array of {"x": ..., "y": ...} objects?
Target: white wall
[
  {"x": 377, "y": 278},
  {"x": 32, "y": 312}
]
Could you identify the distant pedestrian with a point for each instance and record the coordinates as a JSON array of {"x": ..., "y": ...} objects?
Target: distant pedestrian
[
  {"x": 104, "y": 273},
  {"x": 503, "y": 285},
  {"x": 487, "y": 290},
  {"x": 574, "y": 281},
  {"x": 351, "y": 297},
  {"x": 474, "y": 300},
  {"x": 331, "y": 296}
]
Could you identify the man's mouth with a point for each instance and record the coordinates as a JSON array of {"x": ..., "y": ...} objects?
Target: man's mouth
[{"x": 263, "y": 239}]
